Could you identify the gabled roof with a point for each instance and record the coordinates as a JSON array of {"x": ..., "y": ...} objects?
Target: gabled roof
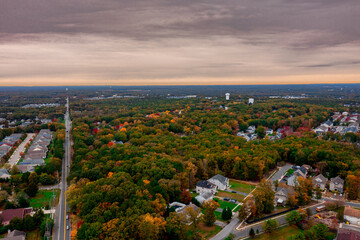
[
  {"x": 220, "y": 178},
  {"x": 328, "y": 122},
  {"x": 205, "y": 184},
  {"x": 337, "y": 180},
  {"x": 320, "y": 179},
  {"x": 8, "y": 214}
]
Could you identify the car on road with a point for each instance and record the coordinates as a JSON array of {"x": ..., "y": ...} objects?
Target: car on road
[
  {"x": 233, "y": 191},
  {"x": 67, "y": 227},
  {"x": 226, "y": 199},
  {"x": 233, "y": 200}
]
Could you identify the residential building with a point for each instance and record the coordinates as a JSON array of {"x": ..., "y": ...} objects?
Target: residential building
[
  {"x": 348, "y": 232},
  {"x": 320, "y": 181},
  {"x": 336, "y": 184},
  {"x": 352, "y": 215},
  {"x": 220, "y": 181},
  {"x": 204, "y": 197},
  {"x": 15, "y": 235},
  {"x": 227, "y": 96},
  {"x": 8, "y": 214},
  {"x": 281, "y": 195},
  {"x": 251, "y": 100},
  {"x": 204, "y": 186}
]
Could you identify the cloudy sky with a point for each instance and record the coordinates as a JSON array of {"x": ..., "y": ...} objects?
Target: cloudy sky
[{"x": 133, "y": 42}]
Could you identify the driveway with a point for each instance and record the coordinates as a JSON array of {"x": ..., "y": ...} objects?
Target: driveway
[
  {"x": 279, "y": 174},
  {"x": 15, "y": 157}
]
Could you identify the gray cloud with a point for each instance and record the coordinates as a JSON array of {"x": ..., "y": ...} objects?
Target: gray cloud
[{"x": 112, "y": 39}]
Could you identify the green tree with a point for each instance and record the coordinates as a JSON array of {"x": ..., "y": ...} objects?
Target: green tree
[
  {"x": 270, "y": 225},
  {"x": 260, "y": 130},
  {"x": 226, "y": 213},
  {"x": 293, "y": 217},
  {"x": 252, "y": 233}
]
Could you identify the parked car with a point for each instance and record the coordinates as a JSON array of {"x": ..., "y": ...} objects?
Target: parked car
[
  {"x": 226, "y": 199},
  {"x": 233, "y": 191}
]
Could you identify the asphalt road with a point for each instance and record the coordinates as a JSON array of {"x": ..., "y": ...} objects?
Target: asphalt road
[{"x": 61, "y": 223}]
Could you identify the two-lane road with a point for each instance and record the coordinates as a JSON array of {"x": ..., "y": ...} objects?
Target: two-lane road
[{"x": 61, "y": 222}]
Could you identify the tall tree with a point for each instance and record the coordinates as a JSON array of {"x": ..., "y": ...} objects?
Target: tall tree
[{"x": 209, "y": 212}]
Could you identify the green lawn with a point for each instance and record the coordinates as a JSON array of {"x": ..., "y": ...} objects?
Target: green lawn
[
  {"x": 241, "y": 186},
  {"x": 281, "y": 234},
  {"x": 43, "y": 197},
  {"x": 224, "y": 204}
]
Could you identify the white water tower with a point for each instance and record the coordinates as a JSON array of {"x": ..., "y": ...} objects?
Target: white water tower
[{"x": 227, "y": 96}]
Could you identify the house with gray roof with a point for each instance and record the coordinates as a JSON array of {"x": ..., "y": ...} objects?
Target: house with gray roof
[
  {"x": 336, "y": 184},
  {"x": 320, "y": 181},
  {"x": 220, "y": 181},
  {"x": 281, "y": 195},
  {"x": 204, "y": 197},
  {"x": 204, "y": 186},
  {"x": 15, "y": 235}
]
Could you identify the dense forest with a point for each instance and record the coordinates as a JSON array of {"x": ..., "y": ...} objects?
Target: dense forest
[{"x": 134, "y": 156}]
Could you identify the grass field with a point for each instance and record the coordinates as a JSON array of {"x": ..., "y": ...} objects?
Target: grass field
[
  {"x": 43, "y": 197},
  {"x": 241, "y": 186},
  {"x": 224, "y": 204},
  {"x": 225, "y": 194},
  {"x": 280, "y": 234}
]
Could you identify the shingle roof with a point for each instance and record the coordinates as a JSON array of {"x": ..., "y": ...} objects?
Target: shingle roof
[
  {"x": 352, "y": 212},
  {"x": 337, "y": 180},
  {"x": 348, "y": 234},
  {"x": 321, "y": 178},
  {"x": 220, "y": 178},
  {"x": 205, "y": 184},
  {"x": 9, "y": 214}
]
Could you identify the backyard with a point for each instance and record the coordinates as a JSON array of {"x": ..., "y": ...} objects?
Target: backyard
[
  {"x": 230, "y": 195},
  {"x": 43, "y": 197},
  {"x": 224, "y": 204},
  {"x": 241, "y": 186}
]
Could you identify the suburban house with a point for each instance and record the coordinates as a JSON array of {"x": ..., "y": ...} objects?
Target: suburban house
[
  {"x": 352, "y": 215},
  {"x": 336, "y": 184},
  {"x": 281, "y": 195},
  {"x": 299, "y": 172},
  {"x": 328, "y": 124},
  {"x": 220, "y": 181},
  {"x": 8, "y": 214},
  {"x": 320, "y": 181},
  {"x": 204, "y": 186},
  {"x": 251, "y": 129},
  {"x": 15, "y": 235},
  {"x": 186, "y": 209},
  {"x": 204, "y": 197},
  {"x": 4, "y": 174}
]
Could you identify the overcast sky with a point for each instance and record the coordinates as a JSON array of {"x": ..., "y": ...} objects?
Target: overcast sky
[{"x": 101, "y": 42}]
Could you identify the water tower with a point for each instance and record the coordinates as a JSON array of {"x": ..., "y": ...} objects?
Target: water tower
[{"x": 227, "y": 96}]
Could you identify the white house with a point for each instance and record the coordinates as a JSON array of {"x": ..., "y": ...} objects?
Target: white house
[
  {"x": 204, "y": 197},
  {"x": 251, "y": 101},
  {"x": 320, "y": 181},
  {"x": 205, "y": 187},
  {"x": 220, "y": 181},
  {"x": 336, "y": 184},
  {"x": 352, "y": 215}
]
